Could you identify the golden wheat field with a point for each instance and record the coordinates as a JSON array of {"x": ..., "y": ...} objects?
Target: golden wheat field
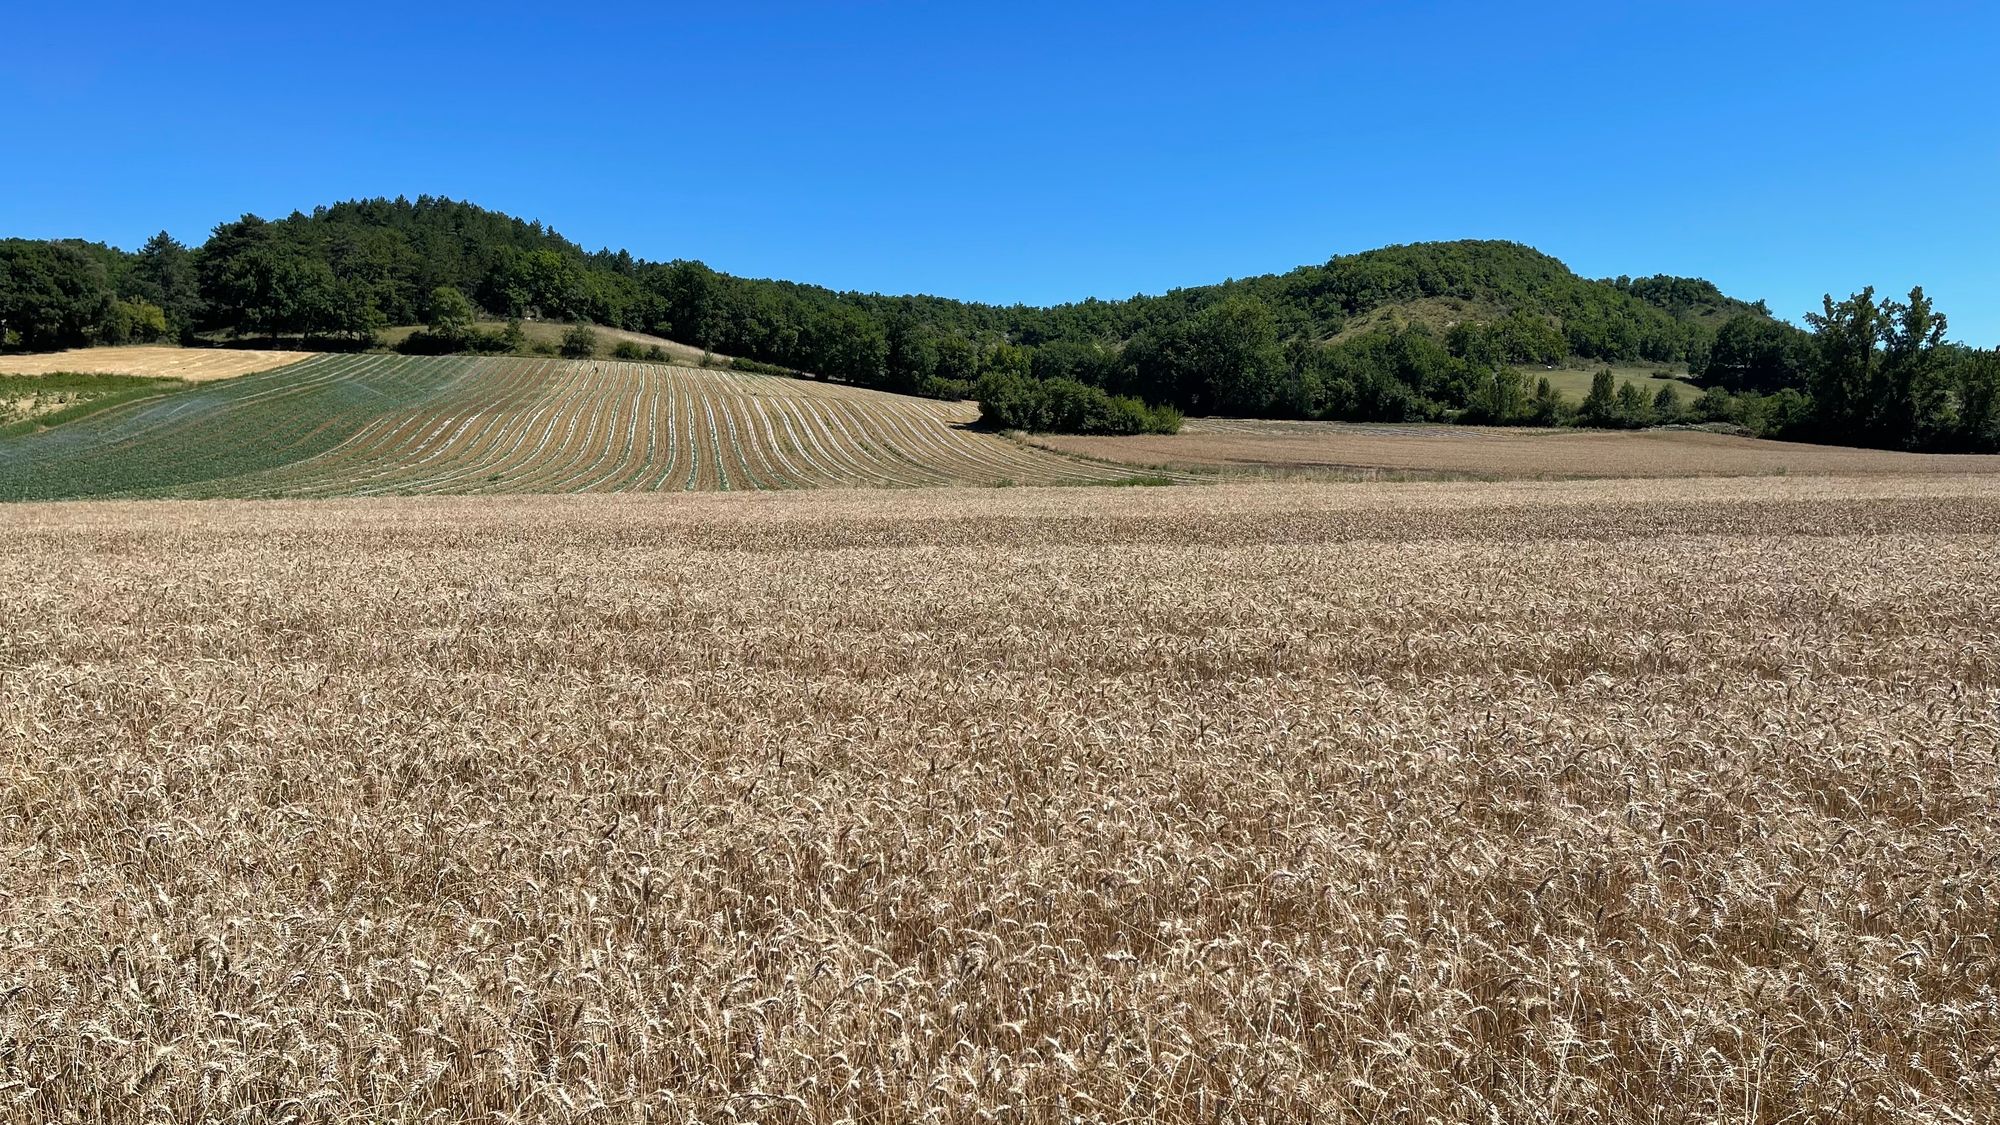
[
  {"x": 1614, "y": 802},
  {"x": 195, "y": 365}
]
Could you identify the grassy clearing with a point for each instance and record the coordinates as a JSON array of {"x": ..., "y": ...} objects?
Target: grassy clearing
[
  {"x": 1251, "y": 804},
  {"x": 1574, "y": 381},
  {"x": 1439, "y": 314}
]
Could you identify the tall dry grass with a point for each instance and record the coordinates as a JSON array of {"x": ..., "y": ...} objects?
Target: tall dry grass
[
  {"x": 195, "y": 365},
  {"x": 1580, "y": 803}
]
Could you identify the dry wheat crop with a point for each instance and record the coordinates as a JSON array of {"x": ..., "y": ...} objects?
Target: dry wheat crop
[
  {"x": 194, "y": 365},
  {"x": 1549, "y": 802}
]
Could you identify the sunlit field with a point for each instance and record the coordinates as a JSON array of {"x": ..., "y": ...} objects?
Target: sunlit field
[{"x": 1664, "y": 801}]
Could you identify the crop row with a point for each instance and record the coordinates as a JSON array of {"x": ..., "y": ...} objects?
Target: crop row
[
  {"x": 542, "y": 426},
  {"x": 205, "y": 440}
]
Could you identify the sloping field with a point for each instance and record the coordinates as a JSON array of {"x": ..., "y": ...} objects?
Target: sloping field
[
  {"x": 193, "y": 365},
  {"x": 376, "y": 424},
  {"x": 1344, "y": 448},
  {"x": 1628, "y": 803}
]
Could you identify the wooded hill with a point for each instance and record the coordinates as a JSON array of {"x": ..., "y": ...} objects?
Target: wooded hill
[{"x": 1431, "y": 331}]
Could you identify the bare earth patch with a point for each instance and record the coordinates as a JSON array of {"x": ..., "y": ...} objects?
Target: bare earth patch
[
  {"x": 1579, "y": 803},
  {"x": 195, "y": 365},
  {"x": 1335, "y": 448},
  {"x": 22, "y": 408}
]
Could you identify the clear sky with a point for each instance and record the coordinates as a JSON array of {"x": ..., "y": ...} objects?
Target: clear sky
[{"x": 1046, "y": 152}]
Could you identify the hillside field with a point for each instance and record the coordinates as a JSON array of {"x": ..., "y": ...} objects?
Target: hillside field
[
  {"x": 1615, "y": 803},
  {"x": 376, "y": 424}
]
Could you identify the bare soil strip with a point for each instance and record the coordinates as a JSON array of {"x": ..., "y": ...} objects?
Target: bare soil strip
[{"x": 1346, "y": 449}]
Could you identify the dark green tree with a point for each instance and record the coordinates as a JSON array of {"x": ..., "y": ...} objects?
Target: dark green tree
[
  {"x": 1915, "y": 409},
  {"x": 1600, "y": 406},
  {"x": 1667, "y": 408},
  {"x": 1976, "y": 384},
  {"x": 1756, "y": 353},
  {"x": 163, "y": 274},
  {"x": 1547, "y": 407},
  {"x": 1633, "y": 408},
  {"x": 52, "y": 295},
  {"x": 451, "y": 316},
  {"x": 1847, "y": 383},
  {"x": 693, "y": 305},
  {"x": 1499, "y": 399},
  {"x": 542, "y": 283},
  {"x": 912, "y": 355},
  {"x": 957, "y": 358},
  {"x": 1225, "y": 359}
]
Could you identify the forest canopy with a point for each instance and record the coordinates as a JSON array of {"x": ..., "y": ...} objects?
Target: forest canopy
[{"x": 1446, "y": 331}]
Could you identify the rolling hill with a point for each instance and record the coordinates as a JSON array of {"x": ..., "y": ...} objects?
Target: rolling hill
[
  {"x": 1308, "y": 342},
  {"x": 1468, "y": 331}
]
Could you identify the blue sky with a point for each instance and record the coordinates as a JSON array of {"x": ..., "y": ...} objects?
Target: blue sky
[{"x": 1046, "y": 152}]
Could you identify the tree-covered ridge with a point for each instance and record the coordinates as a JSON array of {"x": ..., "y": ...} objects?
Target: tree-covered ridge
[
  {"x": 341, "y": 269},
  {"x": 1430, "y": 331}
]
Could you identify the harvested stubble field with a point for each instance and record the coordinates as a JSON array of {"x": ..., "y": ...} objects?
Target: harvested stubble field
[
  {"x": 1349, "y": 449},
  {"x": 193, "y": 365},
  {"x": 1557, "y": 802}
]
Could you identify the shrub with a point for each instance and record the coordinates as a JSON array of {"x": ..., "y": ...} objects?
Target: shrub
[
  {"x": 1634, "y": 408},
  {"x": 134, "y": 322},
  {"x": 427, "y": 342},
  {"x": 760, "y": 368},
  {"x": 1066, "y": 406},
  {"x": 949, "y": 389},
  {"x": 580, "y": 342}
]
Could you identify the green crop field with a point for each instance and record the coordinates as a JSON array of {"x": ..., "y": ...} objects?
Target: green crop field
[{"x": 388, "y": 425}]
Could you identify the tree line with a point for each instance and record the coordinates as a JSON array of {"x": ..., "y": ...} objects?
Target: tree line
[{"x": 1428, "y": 332}]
